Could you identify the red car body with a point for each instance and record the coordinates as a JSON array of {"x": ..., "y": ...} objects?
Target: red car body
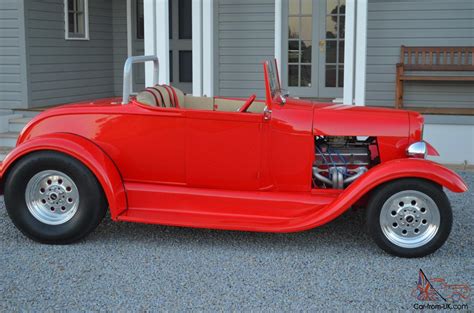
[{"x": 226, "y": 170}]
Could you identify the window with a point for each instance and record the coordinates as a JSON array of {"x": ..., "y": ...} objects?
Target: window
[
  {"x": 140, "y": 20},
  {"x": 76, "y": 17},
  {"x": 300, "y": 27}
]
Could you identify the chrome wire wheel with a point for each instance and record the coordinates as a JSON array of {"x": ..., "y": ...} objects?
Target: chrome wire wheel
[
  {"x": 410, "y": 219},
  {"x": 52, "y": 197}
]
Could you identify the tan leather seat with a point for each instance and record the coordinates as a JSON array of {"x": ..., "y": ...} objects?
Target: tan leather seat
[
  {"x": 149, "y": 97},
  {"x": 162, "y": 96},
  {"x": 179, "y": 96}
]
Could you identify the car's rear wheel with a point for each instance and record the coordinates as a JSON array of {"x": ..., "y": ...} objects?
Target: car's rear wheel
[
  {"x": 409, "y": 217},
  {"x": 53, "y": 198}
]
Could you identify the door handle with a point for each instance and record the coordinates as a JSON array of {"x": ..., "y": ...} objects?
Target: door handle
[{"x": 322, "y": 45}]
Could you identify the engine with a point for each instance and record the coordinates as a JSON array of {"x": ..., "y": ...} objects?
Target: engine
[{"x": 341, "y": 160}]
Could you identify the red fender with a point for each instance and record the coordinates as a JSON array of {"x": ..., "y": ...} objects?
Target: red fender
[
  {"x": 391, "y": 170},
  {"x": 84, "y": 150}
]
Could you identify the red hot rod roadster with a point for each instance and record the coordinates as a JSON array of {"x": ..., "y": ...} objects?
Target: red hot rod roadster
[{"x": 276, "y": 165}]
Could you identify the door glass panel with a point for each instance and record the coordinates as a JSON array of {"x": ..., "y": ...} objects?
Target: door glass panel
[
  {"x": 331, "y": 27},
  {"x": 331, "y": 51},
  {"x": 341, "y": 51},
  {"x": 293, "y": 75},
  {"x": 305, "y": 75},
  {"x": 300, "y": 33},
  {"x": 185, "y": 19},
  {"x": 306, "y": 51},
  {"x": 294, "y": 7},
  {"x": 331, "y": 6},
  {"x": 307, "y": 7},
  {"x": 293, "y": 51},
  {"x": 335, "y": 32},
  {"x": 140, "y": 31},
  {"x": 185, "y": 66},
  {"x": 171, "y": 66},
  {"x": 331, "y": 76},
  {"x": 340, "y": 76},
  {"x": 306, "y": 28},
  {"x": 294, "y": 27},
  {"x": 170, "y": 20}
]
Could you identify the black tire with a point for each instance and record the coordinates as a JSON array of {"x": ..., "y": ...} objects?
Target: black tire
[
  {"x": 91, "y": 207},
  {"x": 430, "y": 189}
]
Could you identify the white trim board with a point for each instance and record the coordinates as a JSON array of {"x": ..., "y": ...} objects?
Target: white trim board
[{"x": 129, "y": 28}]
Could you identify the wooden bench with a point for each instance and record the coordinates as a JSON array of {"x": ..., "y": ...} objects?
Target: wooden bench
[{"x": 433, "y": 59}]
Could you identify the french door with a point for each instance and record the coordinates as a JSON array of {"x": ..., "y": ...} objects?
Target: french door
[
  {"x": 313, "y": 47},
  {"x": 180, "y": 42}
]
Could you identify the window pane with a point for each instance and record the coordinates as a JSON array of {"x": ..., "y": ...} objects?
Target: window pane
[
  {"x": 294, "y": 6},
  {"x": 341, "y": 76},
  {"x": 293, "y": 75},
  {"x": 185, "y": 19},
  {"x": 140, "y": 20},
  {"x": 170, "y": 19},
  {"x": 185, "y": 66},
  {"x": 306, "y": 51},
  {"x": 331, "y": 51},
  {"x": 70, "y": 22},
  {"x": 293, "y": 51},
  {"x": 306, "y": 27},
  {"x": 80, "y": 23},
  {"x": 342, "y": 26},
  {"x": 306, "y": 7},
  {"x": 331, "y": 6},
  {"x": 305, "y": 75},
  {"x": 293, "y": 27},
  {"x": 70, "y": 5},
  {"x": 171, "y": 66},
  {"x": 330, "y": 76},
  {"x": 341, "y": 51},
  {"x": 342, "y": 7},
  {"x": 331, "y": 27}
]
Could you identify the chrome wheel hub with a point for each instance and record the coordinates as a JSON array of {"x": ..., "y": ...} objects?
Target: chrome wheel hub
[
  {"x": 410, "y": 219},
  {"x": 52, "y": 197}
]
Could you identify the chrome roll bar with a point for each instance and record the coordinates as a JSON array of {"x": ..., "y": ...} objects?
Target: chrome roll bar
[{"x": 128, "y": 74}]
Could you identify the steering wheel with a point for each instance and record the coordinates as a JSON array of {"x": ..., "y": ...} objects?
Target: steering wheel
[{"x": 248, "y": 103}]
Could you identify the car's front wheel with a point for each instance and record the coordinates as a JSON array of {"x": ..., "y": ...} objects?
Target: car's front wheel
[
  {"x": 53, "y": 198},
  {"x": 409, "y": 217}
]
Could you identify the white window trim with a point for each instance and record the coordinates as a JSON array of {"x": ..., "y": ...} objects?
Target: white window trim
[{"x": 86, "y": 22}]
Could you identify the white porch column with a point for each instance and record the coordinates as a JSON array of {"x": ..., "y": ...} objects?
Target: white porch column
[
  {"x": 203, "y": 47},
  {"x": 197, "y": 47},
  {"x": 157, "y": 38},
  {"x": 278, "y": 32},
  {"x": 355, "y": 52},
  {"x": 349, "y": 53},
  {"x": 207, "y": 47},
  {"x": 129, "y": 28},
  {"x": 361, "y": 52}
]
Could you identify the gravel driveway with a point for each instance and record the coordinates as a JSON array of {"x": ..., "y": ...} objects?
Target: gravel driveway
[{"x": 123, "y": 266}]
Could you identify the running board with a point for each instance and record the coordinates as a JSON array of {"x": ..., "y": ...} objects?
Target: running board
[{"x": 264, "y": 211}]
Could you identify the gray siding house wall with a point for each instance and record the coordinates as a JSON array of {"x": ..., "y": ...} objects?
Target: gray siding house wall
[
  {"x": 119, "y": 42},
  {"x": 13, "y": 87},
  {"x": 416, "y": 23},
  {"x": 245, "y": 37},
  {"x": 60, "y": 70}
]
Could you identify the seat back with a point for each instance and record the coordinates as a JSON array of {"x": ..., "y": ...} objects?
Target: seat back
[{"x": 161, "y": 96}]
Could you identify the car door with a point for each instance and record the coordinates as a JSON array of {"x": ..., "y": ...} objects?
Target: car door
[
  {"x": 147, "y": 144},
  {"x": 223, "y": 149}
]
